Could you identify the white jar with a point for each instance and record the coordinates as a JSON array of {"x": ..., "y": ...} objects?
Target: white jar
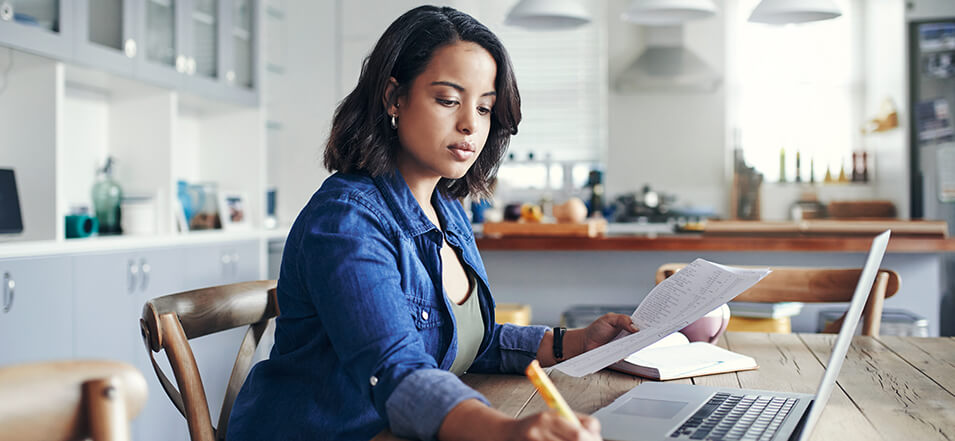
[{"x": 138, "y": 215}]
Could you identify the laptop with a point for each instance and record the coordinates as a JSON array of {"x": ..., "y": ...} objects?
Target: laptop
[
  {"x": 10, "y": 220},
  {"x": 669, "y": 411}
]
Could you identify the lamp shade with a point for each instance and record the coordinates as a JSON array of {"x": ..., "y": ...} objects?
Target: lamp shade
[
  {"x": 780, "y": 12},
  {"x": 668, "y": 12},
  {"x": 548, "y": 14}
]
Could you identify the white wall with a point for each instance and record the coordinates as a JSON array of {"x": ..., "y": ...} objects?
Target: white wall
[
  {"x": 674, "y": 142},
  {"x": 303, "y": 99},
  {"x": 885, "y": 77}
]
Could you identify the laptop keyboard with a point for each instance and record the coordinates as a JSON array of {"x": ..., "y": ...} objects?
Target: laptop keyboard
[{"x": 736, "y": 417}]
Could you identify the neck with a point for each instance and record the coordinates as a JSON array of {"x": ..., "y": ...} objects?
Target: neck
[{"x": 422, "y": 188}]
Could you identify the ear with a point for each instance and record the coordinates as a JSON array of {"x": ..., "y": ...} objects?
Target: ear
[{"x": 390, "y": 98}]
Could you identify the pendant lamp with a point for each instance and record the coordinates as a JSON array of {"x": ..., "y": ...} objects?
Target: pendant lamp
[
  {"x": 548, "y": 14},
  {"x": 668, "y": 12},
  {"x": 780, "y": 12}
]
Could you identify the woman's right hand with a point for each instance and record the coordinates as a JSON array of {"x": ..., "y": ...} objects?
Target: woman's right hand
[{"x": 550, "y": 425}]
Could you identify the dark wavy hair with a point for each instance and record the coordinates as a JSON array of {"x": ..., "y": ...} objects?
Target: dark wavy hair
[{"x": 361, "y": 137}]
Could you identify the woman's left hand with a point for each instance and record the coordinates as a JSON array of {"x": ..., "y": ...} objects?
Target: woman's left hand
[{"x": 605, "y": 328}]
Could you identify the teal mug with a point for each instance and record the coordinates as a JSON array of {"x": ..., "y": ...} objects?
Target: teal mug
[{"x": 81, "y": 225}]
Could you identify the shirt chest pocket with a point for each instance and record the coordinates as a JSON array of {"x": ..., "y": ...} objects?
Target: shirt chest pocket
[{"x": 426, "y": 314}]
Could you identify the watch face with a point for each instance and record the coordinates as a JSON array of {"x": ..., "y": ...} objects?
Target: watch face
[{"x": 10, "y": 220}]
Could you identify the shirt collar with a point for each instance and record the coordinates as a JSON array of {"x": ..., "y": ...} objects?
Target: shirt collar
[{"x": 407, "y": 211}]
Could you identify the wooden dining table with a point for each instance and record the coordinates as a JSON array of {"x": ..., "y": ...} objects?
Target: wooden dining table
[{"x": 891, "y": 388}]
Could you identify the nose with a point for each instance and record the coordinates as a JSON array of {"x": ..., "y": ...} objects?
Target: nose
[{"x": 467, "y": 122}]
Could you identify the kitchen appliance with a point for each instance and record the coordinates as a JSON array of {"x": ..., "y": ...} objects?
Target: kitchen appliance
[{"x": 931, "y": 66}]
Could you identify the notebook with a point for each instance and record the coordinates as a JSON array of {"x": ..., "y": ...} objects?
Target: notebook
[
  {"x": 670, "y": 411},
  {"x": 10, "y": 220},
  {"x": 676, "y": 357}
]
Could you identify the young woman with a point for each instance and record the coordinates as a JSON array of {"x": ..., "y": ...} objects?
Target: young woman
[{"x": 384, "y": 299}]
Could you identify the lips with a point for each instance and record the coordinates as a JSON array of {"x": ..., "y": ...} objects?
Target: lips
[{"x": 462, "y": 151}]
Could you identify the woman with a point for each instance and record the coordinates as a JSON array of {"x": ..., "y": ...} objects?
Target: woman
[{"x": 384, "y": 297}]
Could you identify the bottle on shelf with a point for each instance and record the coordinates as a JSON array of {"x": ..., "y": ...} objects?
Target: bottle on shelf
[
  {"x": 798, "y": 169},
  {"x": 856, "y": 170},
  {"x": 842, "y": 173},
  {"x": 107, "y": 196},
  {"x": 828, "y": 178},
  {"x": 782, "y": 164},
  {"x": 812, "y": 170},
  {"x": 595, "y": 182},
  {"x": 865, "y": 166}
]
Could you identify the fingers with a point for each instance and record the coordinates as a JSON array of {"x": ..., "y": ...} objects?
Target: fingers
[
  {"x": 590, "y": 423},
  {"x": 621, "y": 321},
  {"x": 562, "y": 429}
]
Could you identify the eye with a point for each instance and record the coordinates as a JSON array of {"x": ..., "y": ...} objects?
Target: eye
[
  {"x": 484, "y": 110},
  {"x": 446, "y": 103}
]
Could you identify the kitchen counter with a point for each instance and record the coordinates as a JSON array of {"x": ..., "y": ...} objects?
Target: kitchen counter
[
  {"x": 552, "y": 274},
  {"x": 699, "y": 242}
]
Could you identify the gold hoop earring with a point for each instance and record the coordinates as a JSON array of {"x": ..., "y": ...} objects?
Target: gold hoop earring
[{"x": 394, "y": 121}]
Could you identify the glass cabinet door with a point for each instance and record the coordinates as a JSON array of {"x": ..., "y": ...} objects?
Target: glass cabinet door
[
  {"x": 39, "y": 26},
  {"x": 106, "y": 34},
  {"x": 163, "y": 60},
  {"x": 242, "y": 73},
  {"x": 160, "y": 32},
  {"x": 204, "y": 38}
]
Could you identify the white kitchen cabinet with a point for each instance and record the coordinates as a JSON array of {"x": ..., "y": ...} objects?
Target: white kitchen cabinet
[
  {"x": 43, "y": 27},
  {"x": 110, "y": 290},
  {"x": 106, "y": 35},
  {"x": 213, "y": 265},
  {"x": 36, "y": 310}
]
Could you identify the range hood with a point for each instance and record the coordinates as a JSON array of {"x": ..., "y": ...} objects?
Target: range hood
[{"x": 666, "y": 66}]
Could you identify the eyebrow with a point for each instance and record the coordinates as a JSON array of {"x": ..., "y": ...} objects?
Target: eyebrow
[{"x": 459, "y": 87}]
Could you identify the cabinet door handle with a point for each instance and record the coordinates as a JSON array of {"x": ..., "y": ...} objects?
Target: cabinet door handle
[
  {"x": 130, "y": 48},
  {"x": 131, "y": 275},
  {"x": 8, "y": 285},
  {"x": 144, "y": 269},
  {"x": 6, "y": 11},
  {"x": 226, "y": 264}
]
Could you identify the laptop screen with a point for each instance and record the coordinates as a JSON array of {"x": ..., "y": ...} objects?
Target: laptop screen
[
  {"x": 841, "y": 348},
  {"x": 10, "y": 220}
]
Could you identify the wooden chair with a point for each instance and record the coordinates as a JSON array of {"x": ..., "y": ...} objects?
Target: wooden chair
[
  {"x": 69, "y": 400},
  {"x": 169, "y": 322},
  {"x": 811, "y": 285}
]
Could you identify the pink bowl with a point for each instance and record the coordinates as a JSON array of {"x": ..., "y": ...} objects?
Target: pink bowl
[{"x": 709, "y": 327}]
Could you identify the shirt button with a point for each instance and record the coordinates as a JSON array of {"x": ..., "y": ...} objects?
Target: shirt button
[
  {"x": 424, "y": 315},
  {"x": 373, "y": 381}
]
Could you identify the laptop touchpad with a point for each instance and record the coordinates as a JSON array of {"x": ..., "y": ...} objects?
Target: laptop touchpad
[{"x": 644, "y": 407}]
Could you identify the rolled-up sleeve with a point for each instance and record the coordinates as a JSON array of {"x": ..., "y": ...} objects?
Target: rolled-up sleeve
[
  {"x": 351, "y": 263},
  {"x": 511, "y": 349},
  {"x": 418, "y": 405}
]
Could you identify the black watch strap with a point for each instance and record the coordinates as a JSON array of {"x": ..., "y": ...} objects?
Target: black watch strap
[{"x": 559, "y": 342}]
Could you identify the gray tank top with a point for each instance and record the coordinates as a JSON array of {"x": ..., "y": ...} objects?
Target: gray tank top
[{"x": 470, "y": 327}]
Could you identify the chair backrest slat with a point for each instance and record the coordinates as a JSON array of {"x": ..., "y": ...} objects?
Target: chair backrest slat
[
  {"x": 170, "y": 321},
  {"x": 814, "y": 285}
]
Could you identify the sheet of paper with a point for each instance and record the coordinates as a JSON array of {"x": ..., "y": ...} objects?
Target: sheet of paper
[{"x": 679, "y": 300}]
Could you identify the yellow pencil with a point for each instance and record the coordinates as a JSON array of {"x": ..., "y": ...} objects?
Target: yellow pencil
[{"x": 549, "y": 392}]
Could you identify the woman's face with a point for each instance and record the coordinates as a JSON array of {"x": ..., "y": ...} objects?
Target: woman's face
[{"x": 444, "y": 119}]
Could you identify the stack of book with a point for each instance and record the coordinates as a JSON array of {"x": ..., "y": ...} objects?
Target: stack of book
[
  {"x": 762, "y": 317},
  {"x": 765, "y": 310}
]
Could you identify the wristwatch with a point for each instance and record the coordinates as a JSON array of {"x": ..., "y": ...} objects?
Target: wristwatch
[{"x": 559, "y": 332}]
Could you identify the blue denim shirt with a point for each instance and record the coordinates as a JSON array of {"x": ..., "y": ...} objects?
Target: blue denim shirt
[{"x": 366, "y": 337}]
